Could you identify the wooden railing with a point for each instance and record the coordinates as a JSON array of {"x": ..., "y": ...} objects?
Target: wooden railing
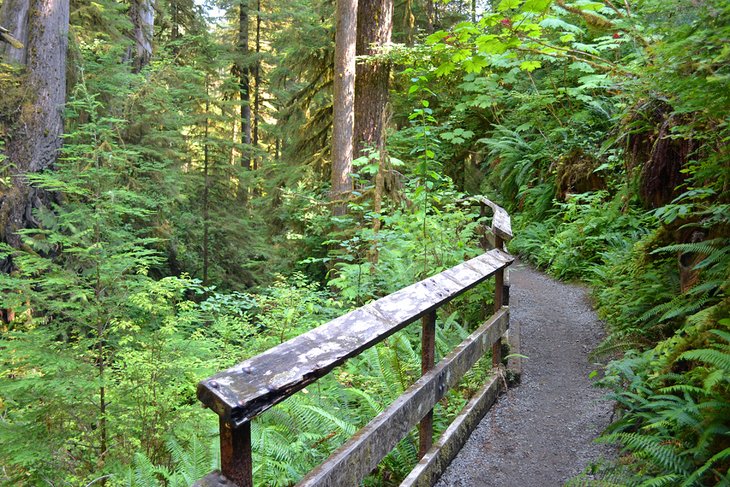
[{"x": 242, "y": 392}]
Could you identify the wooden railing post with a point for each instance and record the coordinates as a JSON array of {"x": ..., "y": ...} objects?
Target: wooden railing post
[
  {"x": 236, "y": 463},
  {"x": 428, "y": 356},
  {"x": 498, "y": 303}
]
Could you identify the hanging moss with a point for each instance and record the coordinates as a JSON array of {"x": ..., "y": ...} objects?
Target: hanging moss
[
  {"x": 575, "y": 174},
  {"x": 661, "y": 155},
  {"x": 14, "y": 89}
]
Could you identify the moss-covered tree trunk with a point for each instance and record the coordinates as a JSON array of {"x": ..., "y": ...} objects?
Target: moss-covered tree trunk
[
  {"x": 34, "y": 139},
  {"x": 374, "y": 30},
  {"x": 344, "y": 103}
]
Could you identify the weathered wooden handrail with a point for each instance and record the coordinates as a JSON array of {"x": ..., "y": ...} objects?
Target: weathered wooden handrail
[{"x": 244, "y": 391}]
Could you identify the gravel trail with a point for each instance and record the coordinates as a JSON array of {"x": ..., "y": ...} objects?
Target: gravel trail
[{"x": 540, "y": 433}]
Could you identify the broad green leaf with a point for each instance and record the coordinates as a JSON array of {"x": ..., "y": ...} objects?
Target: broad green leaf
[
  {"x": 490, "y": 44},
  {"x": 460, "y": 55},
  {"x": 567, "y": 38},
  {"x": 559, "y": 24},
  {"x": 505, "y": 5},
  {"x": 445, "y": 68},
  {"x": 530, "y": 65},
  {"x": 591, "y": 6},
  {"x": 436, "y": 37},
  {"x": 475, "y": 64},
  {"x": 395, "y": 162},
  {"x": 536, "y": 5}
]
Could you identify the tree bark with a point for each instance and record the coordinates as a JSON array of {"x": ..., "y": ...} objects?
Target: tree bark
[
  {"x": 374, "y": 30},
  {"x": 430, "y": 16},
  {"x": 257, "y": 85},
  {"x": 14, "y": 17},
  {"x": 344, "y": 102},
  {"x": 206, "y": 184},
  {"x": 35, "y": 140},
  {"x": 243, "y": 81},
  {"x": 142, "y": 15},
  {"x": 409, "y": 22}
]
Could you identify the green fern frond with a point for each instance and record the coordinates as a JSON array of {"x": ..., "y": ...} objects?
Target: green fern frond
[
  {"x": 706, "y": 247},
  {"x": 715, "y": 378},
  {"x": 375, "y": 406},
  {"x": 342, "y": 425},
  {"x": 710, "y": 356},
  {"x": 656, "y": 449},
  {"x": 683, "y": 388},
  {"x": 145, "y": 472},
  {"x": 697, "y": 475},
  {"x": 722, "y": 334},
  {"x": 661, "y": 481}
]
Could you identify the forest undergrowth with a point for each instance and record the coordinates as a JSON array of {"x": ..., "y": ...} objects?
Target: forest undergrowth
[{"x": 163, "y": 247}]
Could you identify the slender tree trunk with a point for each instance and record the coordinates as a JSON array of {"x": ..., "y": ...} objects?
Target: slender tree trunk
[
  {"x": 35, "y": 140},
  {"x": 206, "y": 185},
  {"x": 409, "y": 22},
  {"x": 243, "y": 81},
  {"x": 103, "y": 435},
  {"x": 344, "y": 102},
  {"x": 378, "y": 205},
  {"x": 242, "y": 70},
  {"x": 14, "y": 17},
  {"x": 257, "y": 84},
  {"x": 430, "y": 16},
  {"x": 374, "y": 30},
  {"x": 234, "y": 136},
  {"x": 142, "y": 15}
]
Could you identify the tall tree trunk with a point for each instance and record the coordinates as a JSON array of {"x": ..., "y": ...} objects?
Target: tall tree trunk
[
  {"x": 257, "y": 84},
  {"x": 14, "y": 17},
  {"x": 34, "y": 141},
  {"x": 409, "y": 22},
  {"x": 430, "y": 16},
  {"x": 243, "y": 81},
  {"x": 241, "y": 69},
  {"x": 142, "y": 15},
  {"x": 206, "y": 184},
  {"x": 344, "y": 102},
  {"x": 374, "y": 30}
]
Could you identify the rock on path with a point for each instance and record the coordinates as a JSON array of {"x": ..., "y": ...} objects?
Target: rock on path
[{"x": 540, "y": 433}]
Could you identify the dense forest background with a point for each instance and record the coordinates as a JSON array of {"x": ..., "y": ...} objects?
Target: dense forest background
[{"x": 184, "y": 184}]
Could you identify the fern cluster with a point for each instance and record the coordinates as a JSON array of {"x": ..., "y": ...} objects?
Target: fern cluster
[{"x": 675, "y": 407}]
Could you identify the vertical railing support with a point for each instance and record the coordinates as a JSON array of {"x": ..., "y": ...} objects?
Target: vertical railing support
[
  {"x": 236, "y": 463},
  {"x": 428, "y": 357},
  {"x": 498, "y": 302}
]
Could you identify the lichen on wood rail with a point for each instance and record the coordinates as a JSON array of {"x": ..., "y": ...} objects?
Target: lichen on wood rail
[{"x": 242, "y": 392}]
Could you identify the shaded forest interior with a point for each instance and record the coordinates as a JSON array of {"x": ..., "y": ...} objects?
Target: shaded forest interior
[{"x": 185, "y": 184}]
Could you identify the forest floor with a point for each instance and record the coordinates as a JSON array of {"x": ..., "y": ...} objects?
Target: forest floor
[{"x": 541, "y": 432}]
